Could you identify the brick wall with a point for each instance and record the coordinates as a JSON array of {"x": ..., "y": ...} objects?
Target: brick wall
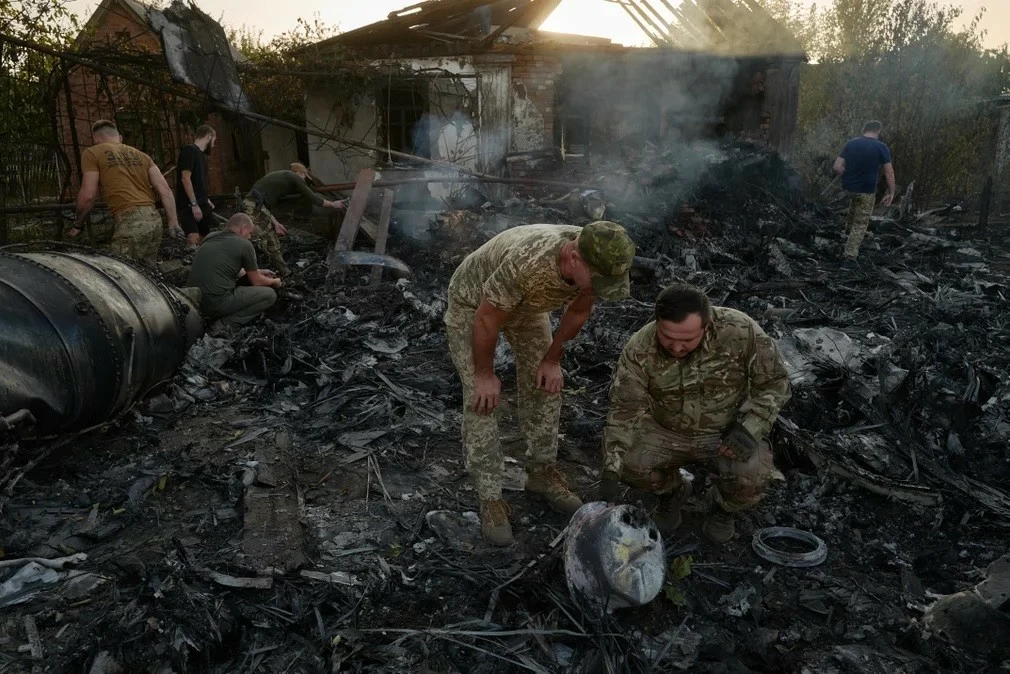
[
  {"x": 534, "y": 77},
  {"x": 758, "y": 90},
  {"x": 161, "y": 134}
]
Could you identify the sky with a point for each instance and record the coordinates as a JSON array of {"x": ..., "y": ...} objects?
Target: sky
[{"x": 586, "y": 17}]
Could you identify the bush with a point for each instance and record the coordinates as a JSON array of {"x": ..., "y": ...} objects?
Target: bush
[{"x": 902, "y": 62}]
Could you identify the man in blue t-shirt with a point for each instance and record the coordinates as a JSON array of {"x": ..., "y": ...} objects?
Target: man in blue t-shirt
[{"x": 858, "y": 165}]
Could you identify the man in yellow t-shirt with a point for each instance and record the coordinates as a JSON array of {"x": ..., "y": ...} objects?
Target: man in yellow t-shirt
[{"x": 128, "y": 179}]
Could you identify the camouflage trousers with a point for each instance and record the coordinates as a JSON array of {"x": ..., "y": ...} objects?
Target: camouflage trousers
[
  {"x": 857, "y": 222},
  {"x": 539, "y": 412},
  {"x": 266, "y": 237},
  {"x": 654, "y": 463},
  {"x": 137, "y": 234}
]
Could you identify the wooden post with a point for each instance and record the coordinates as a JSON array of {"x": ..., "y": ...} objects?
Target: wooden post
[
  {"x": 72, "y": 120},
  {"x": 4, "y": 233},
  {"x": 355, "y": 210},
  {"x": 984, "y": 204},
  {"x": 382, "y": 233}
]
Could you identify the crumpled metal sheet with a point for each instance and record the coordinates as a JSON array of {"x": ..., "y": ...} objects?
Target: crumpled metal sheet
[{"x": 199, "y": 54}]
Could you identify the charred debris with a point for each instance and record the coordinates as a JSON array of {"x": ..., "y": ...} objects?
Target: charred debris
[{"x": 295, "y": 498}]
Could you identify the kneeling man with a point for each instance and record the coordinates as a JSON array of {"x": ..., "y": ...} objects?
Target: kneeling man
[
  {"x": 220, "y": 261},
  {"x": 697, "y": 385}
]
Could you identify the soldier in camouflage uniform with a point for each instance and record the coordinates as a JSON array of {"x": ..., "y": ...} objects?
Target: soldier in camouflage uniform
[
  {"x": 510, "y": 284},
  {"x": 699, "y": 384},
  {"x": 267, "y": 192}
]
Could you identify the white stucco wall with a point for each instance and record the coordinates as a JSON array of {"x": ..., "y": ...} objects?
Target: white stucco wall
[
  {"x": 332, "y": 161},
  {"x": 454, "y": 136}
]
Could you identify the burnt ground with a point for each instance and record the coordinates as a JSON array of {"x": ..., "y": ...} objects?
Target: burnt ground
[{"x": 319, "y": 439}]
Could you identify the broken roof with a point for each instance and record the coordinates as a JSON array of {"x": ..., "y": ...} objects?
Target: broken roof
[
  {"x": 727, "y": 27},
  {"x": 449, "y": 20},
  {"x": 195, "y": 46},
  {"x": 733, "y": 28}
]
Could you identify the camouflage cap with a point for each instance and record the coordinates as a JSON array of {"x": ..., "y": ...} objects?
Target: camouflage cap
[{"x": 608, "y": 250}]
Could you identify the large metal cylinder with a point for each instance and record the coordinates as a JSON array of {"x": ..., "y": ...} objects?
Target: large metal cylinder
[{"x": 84, "y": 335}]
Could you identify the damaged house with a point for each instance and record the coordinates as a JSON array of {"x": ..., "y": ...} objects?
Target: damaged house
[
  {"x": 179, "y": 45},
  {"x": 478, "y": 84}
]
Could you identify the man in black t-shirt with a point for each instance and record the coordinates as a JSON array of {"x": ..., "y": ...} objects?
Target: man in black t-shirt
[{"x": 194, "y": 208}]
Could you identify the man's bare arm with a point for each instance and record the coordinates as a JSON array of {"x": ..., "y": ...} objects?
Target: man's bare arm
[
  {"x": 487, "y": 323},
  {"x": 891, "y": 186},
  {"x": 165, "y": 194},
  {"x": 839, "y": 166},
  {"x": 187, "y": 185},
  {"x": 571, "y": 323},
  {"x": 86, "y": 198}
]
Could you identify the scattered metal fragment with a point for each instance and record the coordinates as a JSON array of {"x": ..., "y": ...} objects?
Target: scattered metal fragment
[
  {"x": 363, "y": 258},
  {"x": 258, "y": 583},
  {"x": 59, "y": 564},
  {"x": 762, "y": 546},
  {"x": 461, "y": 532},
  {"x": 334, "y": 577}
]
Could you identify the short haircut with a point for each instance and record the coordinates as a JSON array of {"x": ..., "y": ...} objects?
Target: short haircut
[
  {"x": 240, "y": 220},
  {"x": 679, "y": 301},
  {"x": 205, "y": 130},
  {"x": 103, "y": 126},
  {"x": 873, "y": 126}
]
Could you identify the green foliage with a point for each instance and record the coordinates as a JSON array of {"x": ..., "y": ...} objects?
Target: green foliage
[
  {"x": 680, "y": 568},
  {"x": 280, "y": 72},
  {"x": 25, "y": 73},
  {"x": 906, "y": 63}
]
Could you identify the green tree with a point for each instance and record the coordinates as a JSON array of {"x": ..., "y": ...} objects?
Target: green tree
[
  {"x": 25, "y": 73},
  {"x": 278, "y": 71},
  {"x": 908, "y": 64}
]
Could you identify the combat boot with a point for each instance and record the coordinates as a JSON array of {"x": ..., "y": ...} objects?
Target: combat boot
[
  {"x": 719, "y": 526},
  {"x": 668, "y": 515},
  {"x": 550, "y": 483},
  {"x": 494, "y": 522}
]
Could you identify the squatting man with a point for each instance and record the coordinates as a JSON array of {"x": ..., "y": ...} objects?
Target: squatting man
[
  {"x": 697, "y": 385},
  {"x": 225, "y": 257},
  {"x": 509, "y": 285},
  {"x": 265, "y": 194}
]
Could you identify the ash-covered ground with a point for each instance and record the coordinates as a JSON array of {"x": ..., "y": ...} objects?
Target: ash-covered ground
[{"x": 295, "y": 500}]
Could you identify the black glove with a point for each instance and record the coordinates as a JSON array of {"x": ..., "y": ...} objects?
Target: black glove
[
  {"x": 740, "y": 441},
  {"x": 610, "y": 487}
]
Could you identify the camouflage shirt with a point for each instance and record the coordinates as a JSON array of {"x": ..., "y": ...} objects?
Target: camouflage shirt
[
  {"x": 735, "y": 374},
  {"x": 517, "y": 271}
]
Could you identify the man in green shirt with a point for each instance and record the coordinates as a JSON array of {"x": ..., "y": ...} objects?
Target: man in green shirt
[
  {"x": 220, "y": 261},
  {"x": 265, "y": 194}
]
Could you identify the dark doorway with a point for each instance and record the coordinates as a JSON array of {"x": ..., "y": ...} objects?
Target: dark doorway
[{"x": 403, "y": 111}]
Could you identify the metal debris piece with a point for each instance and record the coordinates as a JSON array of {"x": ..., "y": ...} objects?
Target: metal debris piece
[
  {"x": 614, "y": 556},
  {"x": 461, "y": 532},
  {"x": 334, "y": 577},
  {"x": 259, "y": 583},
  {"x": 363, "y": 258},
  {"x": 762, "y": 544}
]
